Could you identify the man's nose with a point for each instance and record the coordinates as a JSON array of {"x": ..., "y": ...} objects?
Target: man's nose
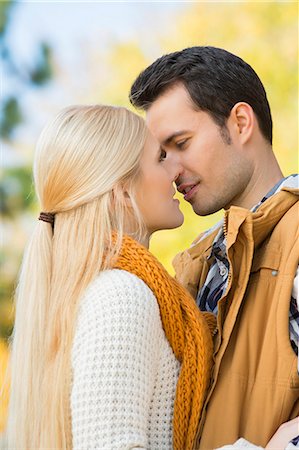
[
  {"x": 174, "y": 163},
  {"x": 177, "y": 173}
]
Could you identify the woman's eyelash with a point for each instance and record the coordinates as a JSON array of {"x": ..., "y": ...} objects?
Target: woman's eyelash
[{"x": 163, "y": 155}]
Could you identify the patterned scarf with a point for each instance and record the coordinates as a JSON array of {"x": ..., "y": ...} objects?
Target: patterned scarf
[{"x": 188, "y": 332}]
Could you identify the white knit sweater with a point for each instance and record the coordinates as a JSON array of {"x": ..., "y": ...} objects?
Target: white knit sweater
[{"x": 124, "y": 370}]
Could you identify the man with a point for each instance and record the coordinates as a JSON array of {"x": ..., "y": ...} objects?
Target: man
[{"x": 209, "y": 111}]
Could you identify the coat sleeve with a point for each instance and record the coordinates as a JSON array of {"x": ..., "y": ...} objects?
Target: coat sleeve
[{"x": 114, "y": 360}]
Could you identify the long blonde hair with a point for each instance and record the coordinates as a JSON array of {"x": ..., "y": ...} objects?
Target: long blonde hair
[{"x": 86, "y": 162}]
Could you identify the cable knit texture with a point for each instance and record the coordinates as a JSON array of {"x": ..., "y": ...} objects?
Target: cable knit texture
[
  {"x": 124, "y": 370},
  {"x": 187, "y": 332}
]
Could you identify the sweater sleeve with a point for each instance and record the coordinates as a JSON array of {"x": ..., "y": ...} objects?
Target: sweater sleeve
[{"x": 114, "y": 360}]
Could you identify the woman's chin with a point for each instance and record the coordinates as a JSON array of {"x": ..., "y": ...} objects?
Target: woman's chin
[{"x": 175, "y": 223}]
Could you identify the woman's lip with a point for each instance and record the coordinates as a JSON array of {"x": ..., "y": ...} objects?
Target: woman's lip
[{"x": 190, "y": 194}]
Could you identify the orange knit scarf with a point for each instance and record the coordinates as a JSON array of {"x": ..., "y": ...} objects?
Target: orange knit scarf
[{"x": 187, "y": 332}]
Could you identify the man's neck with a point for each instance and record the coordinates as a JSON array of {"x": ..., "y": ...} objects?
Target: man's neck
[
  {"x": 265, "y": 175},
  {"x": 259, "y": 186}
]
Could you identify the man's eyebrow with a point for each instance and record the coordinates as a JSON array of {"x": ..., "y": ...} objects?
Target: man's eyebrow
[{"x": 170, "y": 138}]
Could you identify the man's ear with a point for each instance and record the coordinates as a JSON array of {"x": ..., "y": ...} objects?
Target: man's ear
[{"x": 243, "y": 120}]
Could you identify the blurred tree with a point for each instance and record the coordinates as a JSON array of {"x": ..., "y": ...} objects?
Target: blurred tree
[
  {"x": 15, "y": 183},
  {"x": 16, "y": 197},
  {"x": 39, "y": 74},
  {"x": 16, "y": 191}
]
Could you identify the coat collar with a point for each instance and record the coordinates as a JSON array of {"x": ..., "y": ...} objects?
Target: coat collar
[{"x": 263, "y": 221}]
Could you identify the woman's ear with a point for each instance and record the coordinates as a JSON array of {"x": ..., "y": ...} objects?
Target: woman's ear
[
  {"x": 243, "y": 121},
  {"x": 127, "y": 199},
  {"x": 121, "y": 192}
]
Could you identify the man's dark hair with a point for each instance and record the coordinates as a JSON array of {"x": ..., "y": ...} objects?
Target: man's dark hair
[{"x": 215, "y": 79}]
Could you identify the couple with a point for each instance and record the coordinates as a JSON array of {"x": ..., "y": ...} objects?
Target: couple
[{"x": 109, "y": 351}]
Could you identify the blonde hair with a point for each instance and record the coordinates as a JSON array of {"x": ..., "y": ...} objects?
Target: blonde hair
[{"x": 86, "y": 162}]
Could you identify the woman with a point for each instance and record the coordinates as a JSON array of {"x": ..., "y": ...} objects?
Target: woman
[{"x": 108, "y": 350}]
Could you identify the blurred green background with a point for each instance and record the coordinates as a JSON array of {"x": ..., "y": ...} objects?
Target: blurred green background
[{"x": 55, "y": 54}]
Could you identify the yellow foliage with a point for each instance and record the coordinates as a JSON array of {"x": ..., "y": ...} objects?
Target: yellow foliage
[
  {"x": 120, "y": 78},
  {"x": 4, "y": 385}
]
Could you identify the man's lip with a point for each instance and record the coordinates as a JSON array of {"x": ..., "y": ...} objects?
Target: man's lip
[
  {"x": 182, "y": 187},
  {"x": 188, "y": 196}
]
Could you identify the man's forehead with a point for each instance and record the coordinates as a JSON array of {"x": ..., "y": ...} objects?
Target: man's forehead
[
  {"x": 164, "y": 129},
  {"x": 174, "y": 102},
  {"x": 169, "y": 123}
]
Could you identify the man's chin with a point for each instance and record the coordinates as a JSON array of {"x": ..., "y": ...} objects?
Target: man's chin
[{"x": 203, "y": 211}]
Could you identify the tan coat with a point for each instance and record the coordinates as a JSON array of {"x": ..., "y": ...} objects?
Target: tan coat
[{"x": 255, "y": 385}]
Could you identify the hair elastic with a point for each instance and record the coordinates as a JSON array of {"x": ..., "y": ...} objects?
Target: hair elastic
[{"x": 47, "y": 217}]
